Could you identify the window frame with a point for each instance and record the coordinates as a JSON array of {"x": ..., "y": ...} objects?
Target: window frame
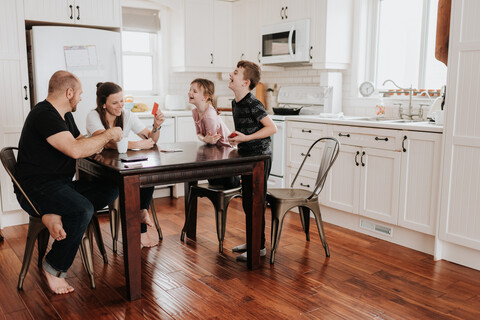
[
  {"x": 372, "y": 42},
  {"x": 154, "y": 52}
]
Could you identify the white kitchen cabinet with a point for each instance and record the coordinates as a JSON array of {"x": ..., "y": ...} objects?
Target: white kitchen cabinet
[
  {"x": 331, "y": 33},
  {"x": 365, "y": 179},
  {"x": 202, "y": 36},
  {"x": 167, "y": 132},
  {"x": 419, "y": 184},
  {"x": 228, "y": 120},
  {"x": 185, "y": 129},
  {"x": 276, "y": 11},
  {"x": 300, "y": 136},
  {"x": 246, "y": 31},
  {"x": 14, "y": 91},
  {"x": 105, "y": 13}
]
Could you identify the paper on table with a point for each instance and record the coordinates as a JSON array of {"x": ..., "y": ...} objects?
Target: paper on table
[{"x": 171, "y": 150}]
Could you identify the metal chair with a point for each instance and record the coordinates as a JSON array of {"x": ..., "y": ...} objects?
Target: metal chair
[
  {"x": 220, "y": 199},
  {"x": 114, "y": 209},
  {"x": 284, "y": 199},
  {"x": 38, "y": 231}
]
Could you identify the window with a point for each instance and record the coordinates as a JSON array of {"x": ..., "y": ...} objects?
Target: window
[
  {"x": 139, "y": 62},
  {"x": 404, "y": 44},
  {"x": 140, "y": 47}
]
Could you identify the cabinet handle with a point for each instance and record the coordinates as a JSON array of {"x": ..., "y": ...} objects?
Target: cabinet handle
[
  {"x": 258, "y": 56},
  {"x": 286, "y": 14},
  {"x": 211, "y": 55},
  {"x": 310, "y": 52},
  {"x": 71, "y": 11},
  {"x": 403, "y": 144},
  {"x": 78, "y": 12},
  {"x": 305, "y": 185},
  {"x": 307, "y": 131},
  {"x": 26, "y": 92},
  {"x": 384, "y": 139},
  {"x": 344, "y": 135},
  {"x": 281, "y": 12},
  {"x": 303, "y": 154},
  {"x": 356, "y": 160},
  {"x": 361, "y": 159}
]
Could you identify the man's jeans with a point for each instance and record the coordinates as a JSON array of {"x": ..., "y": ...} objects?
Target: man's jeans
[{"x": 75, "y": 202}]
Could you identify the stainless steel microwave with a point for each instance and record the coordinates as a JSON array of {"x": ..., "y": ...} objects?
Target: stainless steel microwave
[{"x": 286, "y": 42}]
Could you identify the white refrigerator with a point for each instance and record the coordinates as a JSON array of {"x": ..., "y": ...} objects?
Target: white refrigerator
[{"x": 93, "y": 55}]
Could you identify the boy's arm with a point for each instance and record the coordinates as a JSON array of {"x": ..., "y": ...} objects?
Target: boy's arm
[{"x": 269, "y": 128}]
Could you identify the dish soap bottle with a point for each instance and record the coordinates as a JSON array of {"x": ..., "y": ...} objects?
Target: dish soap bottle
[{"x": 380, "y": 107}]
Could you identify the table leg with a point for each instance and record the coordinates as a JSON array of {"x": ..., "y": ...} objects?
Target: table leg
[
  {"x": 192, "y": 227},
  {"x": 130, "y": 218},
  {"x": 252, "y": 193}
]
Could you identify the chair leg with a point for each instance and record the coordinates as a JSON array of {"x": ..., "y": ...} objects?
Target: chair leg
[
  {"x": 155, "y": 220},
  {"x": 277, "y": 223},
  {"x": 99, "y": 238},
  {"x": 35, "y": 226},
  {"x": 86, "y": 254},
  {"x": 42, "y": 242},
  {"x": 305, "y": 219},
  {"x": 321, "y": 232},
  {"x": 114, "y": 209},
  {"x": 189, "y": 215}
]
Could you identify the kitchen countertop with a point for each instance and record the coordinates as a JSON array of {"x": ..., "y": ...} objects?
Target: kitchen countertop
[
  {"x": 347, "y": 121},
  {"x": 358, "y": 121}
]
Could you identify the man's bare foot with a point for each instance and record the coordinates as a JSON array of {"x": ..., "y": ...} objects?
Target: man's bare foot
[
  {"x": 57, "y": 285},
  {"x": 145, "y": 218},
  {"x": 54, "y": 224},
  {"x": 147, "y": 241}
]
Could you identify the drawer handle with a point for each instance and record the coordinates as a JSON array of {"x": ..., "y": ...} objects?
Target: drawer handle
[
  {"x": 305, "y": 185},
  {"x": 306, "y": 131},
  {"x": 384, "y": 139},
  {"x": 403, "y": 144},
  {"x": 361, "y": 159},
  {"x": 303, "y": 154},
  {"x": 356, "y": 160},
  {"x": 344, "y": 135}
]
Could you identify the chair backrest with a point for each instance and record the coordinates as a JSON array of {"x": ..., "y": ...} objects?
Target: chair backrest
[
  {"x": 329, "y": 155},
  {"x": 9, "y": 161}
]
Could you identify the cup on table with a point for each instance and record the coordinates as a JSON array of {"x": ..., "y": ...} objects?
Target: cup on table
[
  {"x": 439, "y": 117},
  {"x": 122, "y": 145}
]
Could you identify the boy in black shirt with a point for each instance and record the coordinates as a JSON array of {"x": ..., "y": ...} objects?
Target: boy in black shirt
[{"x": 253, "y": 128}]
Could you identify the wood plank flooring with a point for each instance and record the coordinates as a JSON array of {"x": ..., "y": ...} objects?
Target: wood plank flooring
[{"x": 365, "y": 278}]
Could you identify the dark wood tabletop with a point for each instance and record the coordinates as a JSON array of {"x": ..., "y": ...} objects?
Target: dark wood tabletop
[{"x": 196, "y": 161}]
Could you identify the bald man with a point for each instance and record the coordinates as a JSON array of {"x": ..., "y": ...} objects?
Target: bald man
[{"x": 49, "y": 145}]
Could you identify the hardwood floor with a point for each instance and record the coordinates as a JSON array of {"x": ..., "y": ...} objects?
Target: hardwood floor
[{"x": 365, "y": 278}]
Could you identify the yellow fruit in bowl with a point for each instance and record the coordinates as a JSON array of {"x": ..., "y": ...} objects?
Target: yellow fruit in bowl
[{"x": 139, "y": 107}]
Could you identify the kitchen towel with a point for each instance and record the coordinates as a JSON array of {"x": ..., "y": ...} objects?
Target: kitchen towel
[{"x": 443, "y": 30}]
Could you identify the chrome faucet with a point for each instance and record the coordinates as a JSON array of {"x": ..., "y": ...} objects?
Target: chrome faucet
[{"x": 409, "y": 113}]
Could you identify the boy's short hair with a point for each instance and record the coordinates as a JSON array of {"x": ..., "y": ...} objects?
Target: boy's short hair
[{"x": 251, "y": 71}]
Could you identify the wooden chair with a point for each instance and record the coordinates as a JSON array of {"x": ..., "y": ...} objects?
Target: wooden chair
[
  {"x": 38, "y": 231},
  {"x": 284, "y": 199},
  {"x": 220, "y": 199},
  {"x": 114, "y": 209}
]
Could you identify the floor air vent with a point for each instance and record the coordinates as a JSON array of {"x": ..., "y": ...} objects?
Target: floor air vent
[{"x": 378, "y": 228}]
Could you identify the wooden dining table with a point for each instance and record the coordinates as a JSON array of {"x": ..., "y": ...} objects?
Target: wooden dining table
[{"x": 186, "y": 162}]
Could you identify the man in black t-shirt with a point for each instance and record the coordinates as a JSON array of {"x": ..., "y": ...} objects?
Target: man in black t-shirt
[
  {"x": 48, "y": 148},
  {"x": 253, "y": 128}
]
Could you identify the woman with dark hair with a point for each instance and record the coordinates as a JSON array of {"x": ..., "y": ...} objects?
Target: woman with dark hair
[{"x": 109, "y": 113}]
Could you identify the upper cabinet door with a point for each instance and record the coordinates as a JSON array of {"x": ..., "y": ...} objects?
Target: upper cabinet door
[
  {"x": 199, "y": 33},
  {"x": 246, "y": 30},
  {"x": 222, "y": 30},
  {"x": 105, "y": 13},
  {"x": 59, "y": 11}
]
